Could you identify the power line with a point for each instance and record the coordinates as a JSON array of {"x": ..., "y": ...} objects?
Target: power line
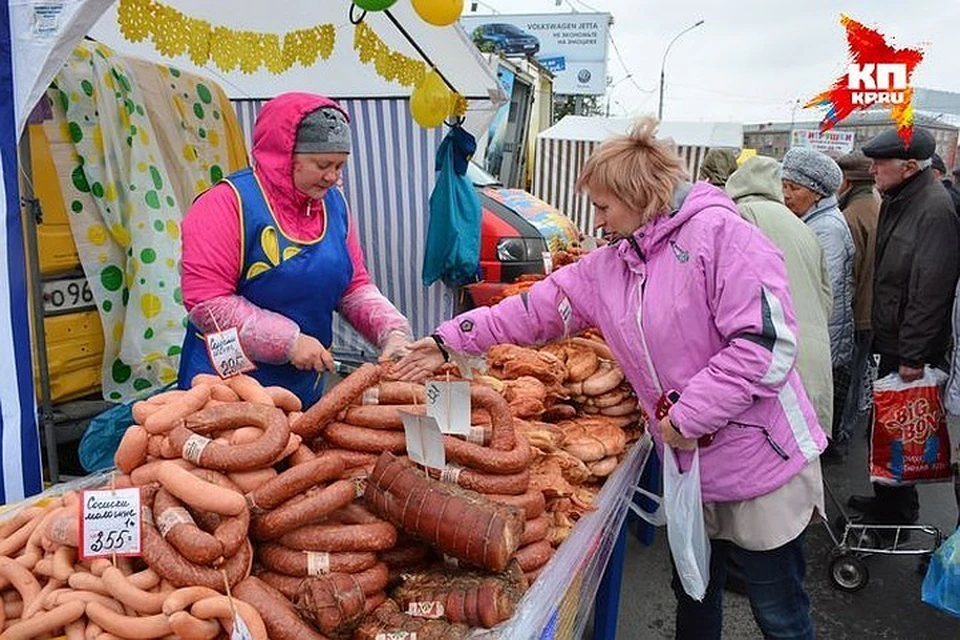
[{"x": 623, "y": 64}]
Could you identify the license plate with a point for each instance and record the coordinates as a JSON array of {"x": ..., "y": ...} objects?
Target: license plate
[{"x": 67, "y": 294}]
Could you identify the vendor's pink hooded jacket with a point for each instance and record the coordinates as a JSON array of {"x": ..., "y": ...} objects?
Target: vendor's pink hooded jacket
[{"x": 697, "y": 302}]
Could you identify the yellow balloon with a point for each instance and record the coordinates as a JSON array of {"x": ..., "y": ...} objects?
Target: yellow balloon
[
  {"x": 431, "y": 102},
  {"x": 439, "y": 12}
]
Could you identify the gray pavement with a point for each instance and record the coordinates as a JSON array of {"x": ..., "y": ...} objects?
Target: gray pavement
[{"x": 888, "y": 607}]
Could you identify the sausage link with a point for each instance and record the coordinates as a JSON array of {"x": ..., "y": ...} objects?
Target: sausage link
[
  {"x": 506, "y": 483},
  {"x": 284, "y": 399},
  {"x": 143, "y": 602},
  {"x": 132, "y": 450},
  {"x": 189, "y": 627},
  {"x": 254, "y": 455},
  {"x": 252, "y": 480},
  {"x": 351, "y": 459},
  {"x": 378, "y": 536},
  {"x": 489, "y": 459},
  {"x": 198, "y": 493},
  {"x": 532, "y": 502},
  {"x": 130, "y": 627},
  {"x": 223, "y": 393},
  {"x": 295, "y": 480},
  {"x": 44, "y": 624},
  {"x": 21, "y": 579},
  {"x": 317, "y": 417},
  {"x": 184, "y": 597},
  {"x": 223, "y": 608},
  {"x": 293, "y": 514},
  {"x": 172, "y": 566},
  {"x": 365, "y": 439},
  {"x": 290, "y": 562},
  {"x": 167, "y": 417},
  {"x": 533, "y": 556},
  {"x": 535, "y": 530},
  {"x": 279, "y": 616},
  {"x": 250, "y": 390}
]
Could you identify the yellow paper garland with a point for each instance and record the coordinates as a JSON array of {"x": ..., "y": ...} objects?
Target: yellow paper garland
[{"x": 173, "y": 33}]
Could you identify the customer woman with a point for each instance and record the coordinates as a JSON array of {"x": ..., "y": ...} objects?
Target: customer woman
[
  {"x": 272, "y": 252},
  {"x": 693, "y": 299}
]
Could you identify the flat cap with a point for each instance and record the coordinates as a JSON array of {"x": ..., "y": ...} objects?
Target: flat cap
[
  {"x": 855, "y": 166},
  {"x": 889, "y": 144},
  {"x": 937, "y": 164}
]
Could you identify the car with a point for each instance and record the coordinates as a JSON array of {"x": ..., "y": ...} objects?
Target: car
[
  {"x": 504, "y": 38},
  {"x": 518, "y": 233}
]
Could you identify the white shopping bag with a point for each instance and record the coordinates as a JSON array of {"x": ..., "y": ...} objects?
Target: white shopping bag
[{"x": 686, "y": 530}]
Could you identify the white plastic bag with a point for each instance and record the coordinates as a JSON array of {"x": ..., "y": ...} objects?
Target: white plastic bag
[{"x": 686, "y": 530}]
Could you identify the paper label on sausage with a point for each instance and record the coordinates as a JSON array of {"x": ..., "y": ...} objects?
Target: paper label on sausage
[
  {"x": 171, "y": 518},
  {"x": 371, "y": 395},
  {"x": 477, "y": 435},
  {"x": 430, "y": 610},
  {"x": 451, "y": 473},
  {"x": 193, "y": 448},
  {"x": 318, "y": 563},
  {"x": 396, "y": 635},
  {"x": 146, "y": 516},
  {"x": 359, "y": 486}
]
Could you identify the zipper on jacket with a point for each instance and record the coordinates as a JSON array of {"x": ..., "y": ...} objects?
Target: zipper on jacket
[
  {"x": 766, "y": 434},
  {"x": 643, "y": 339}
]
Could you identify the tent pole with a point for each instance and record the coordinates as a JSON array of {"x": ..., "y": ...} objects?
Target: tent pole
[{"x": 33, "y": 218}]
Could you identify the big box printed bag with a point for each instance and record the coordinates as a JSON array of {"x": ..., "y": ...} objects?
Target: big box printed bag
[{"x": 910, "y": 442}]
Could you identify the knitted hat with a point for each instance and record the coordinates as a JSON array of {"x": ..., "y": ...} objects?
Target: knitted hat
[
  {"x": 324, "y": 130},
  {"x": 855, "y": 167},
  {"x": 811, "y": 169}
]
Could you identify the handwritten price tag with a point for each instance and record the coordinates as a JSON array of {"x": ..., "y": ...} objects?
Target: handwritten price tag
[
  {"x": 449, "y": 404},
  {"x": 110, "y": 523},
  {"x": 424, "y": 440},
  {"x": 226, "y": 354}
]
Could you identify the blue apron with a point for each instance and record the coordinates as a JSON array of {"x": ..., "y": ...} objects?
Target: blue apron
[{"x": 303, "y": 281}]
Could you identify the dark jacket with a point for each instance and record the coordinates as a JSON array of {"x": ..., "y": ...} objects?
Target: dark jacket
[
  {"x": 954, "y": 194},
  {"x": 918, "y": 263},
  {"x": 860, "y": 205}
]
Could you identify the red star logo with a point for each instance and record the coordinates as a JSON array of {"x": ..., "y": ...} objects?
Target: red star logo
[{"x": 868, "y": 48}]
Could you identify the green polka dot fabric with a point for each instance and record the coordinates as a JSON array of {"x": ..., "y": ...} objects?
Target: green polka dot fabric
[{"x": 144, "y": 143}]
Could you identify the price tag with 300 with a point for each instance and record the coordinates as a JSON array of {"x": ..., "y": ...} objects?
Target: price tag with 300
[
  {"x": 110, "y": 523},
  {"x": 226, "y": 353}
]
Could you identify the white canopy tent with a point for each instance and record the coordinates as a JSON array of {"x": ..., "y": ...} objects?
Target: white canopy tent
[
  {"x": 563, "y": 149},
  {"x": 390, "y": 177}
]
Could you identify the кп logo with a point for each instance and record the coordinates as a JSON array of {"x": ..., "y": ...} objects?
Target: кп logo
[{"x": 878, "y": 74}]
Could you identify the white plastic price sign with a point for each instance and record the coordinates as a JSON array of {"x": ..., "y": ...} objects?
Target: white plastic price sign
[
  {"x": 110, "y": 523},
  {"x": 240, "y": 630},
  {"x": 449, "y": 404},
  {"x": 424, "y": 440},
  {"x": 226, "y": 353},
  {"x": 547, "y": 262}
]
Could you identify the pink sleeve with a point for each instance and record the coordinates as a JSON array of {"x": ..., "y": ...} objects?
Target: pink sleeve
[
  {"x": 211, "y": 247},
  {"x": 364, "y": 306}
]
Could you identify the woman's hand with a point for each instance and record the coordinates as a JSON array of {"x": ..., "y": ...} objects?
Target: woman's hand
[
  {"x": 396, "y": 346},
  {"x": 673, "y": 438},
  {"x": 423, "y": 360},
  {"x": 308, "y": 354}
]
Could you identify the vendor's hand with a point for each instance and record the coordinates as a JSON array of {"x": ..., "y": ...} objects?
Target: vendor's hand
[
  {"x": 423, "y": 360},
  {"x": 673, "y": 437},
  {"x": 396, "y": 346},
  {"x": 909, "y": 374},
  {"x": 308, "y": 354}
]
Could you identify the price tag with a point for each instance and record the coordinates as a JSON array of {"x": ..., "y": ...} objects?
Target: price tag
[
  {"x": 396, "y": 635},
  {"x": 424, "y": 440},
  {"x": 240, "y": 630},
  {"x": 226, "y": 354},
  {"x": 431, "y": 610},
  {"x": 110, "y": 523},
  {"x": 449, "y": 404},
  {"x": 547, "y": 262}
]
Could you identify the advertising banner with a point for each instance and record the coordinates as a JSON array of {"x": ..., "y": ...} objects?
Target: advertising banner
[
  {"x": 829, "y": 142},
  {"x": 572, "y": 45}
]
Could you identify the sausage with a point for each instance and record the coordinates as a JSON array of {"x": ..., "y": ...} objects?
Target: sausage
[
  {"x": 365, "y": 439},
  {"x": 316, "y": 504},
  {"x": 11, "y": 545},
  {"x": 199, "y": 493},
  {"x": 132, "y": 450},
  {"x": 88, "y": 582},
  {"x": 21, "y": 579},
  {"x": 351, "y": 459},
  {"x": 488, "y": 459},
  {"x": 206, "y": 378},
  {"x": 63, "y": 596},
  {"x": 295, "y": 480},
  {"x": 533, "y": 556},
  {"x": 406, "y": 556},
  {"x": 189, "y": 627},
  {"x": 177, "y": 526},
  {"x": 172, "y": 566},
  {"x": 252, "y": 480},
  {"x": 301, "y": 455},
  {"x": 535, "y": 530},
  {"x": 188, "y": 437},
  {"x": 223, "y": 393},
  {"x": 279, "y": 616},
  {"x": 284, "y": 399},
  {"x": 607, "y": 377},
  {"x": 245, "y": 435},
  {"x": 377, "y": 536},
  {"x": 36, "y": 605},
  {"x": 250, "y": 390},
  {"x": 181, "y": 599},
  {"x": 148, "y": 473},
  {"x": 224, "y": 608},
  {"x": 508, "y": 483},
  {"x": 393, "y": 392},
  {"x": 143, "y": 602},
  {"x": 293, "y": 443},
  {"x": 131, "y": 627},
  {"x": 166, "y": 418},
  {"x": 143, "y": 409},
  {"x": 167, "y": 397},
  {"x": 532, "y": 502},
  {"x": 63, "y": 559},
  {"x": 74, "y": 630},
  {"x": 44, "y": 624},
  {"x": 388, "y": 417},
  {"x": 289, "y": 562},
  {"x": 341, "y": 396}
]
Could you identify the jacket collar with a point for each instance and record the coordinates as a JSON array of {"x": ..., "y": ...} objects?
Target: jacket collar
[
  {"x": 857, "y": 190},
  {"x": 909, "y": 187},
  {"x": 685, "y": 203},
  {"x": 819, "y": 208}
]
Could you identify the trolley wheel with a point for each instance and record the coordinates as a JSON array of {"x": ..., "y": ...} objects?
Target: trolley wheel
[{"x": 849, "y": 573}]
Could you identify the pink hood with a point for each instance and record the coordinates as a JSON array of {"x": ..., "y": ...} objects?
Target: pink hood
[{"x": 274, "y": 136}]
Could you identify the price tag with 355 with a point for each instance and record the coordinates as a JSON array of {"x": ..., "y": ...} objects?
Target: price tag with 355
[
  {"x": 226, "y": 353},
  {"x": 110, "y": 523}
]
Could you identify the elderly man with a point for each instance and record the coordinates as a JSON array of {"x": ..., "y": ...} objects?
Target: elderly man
[
  {"x": 810, "y": 180},
  {"x": 916, "y": 272},
  {"x": 860, "y": 204}
]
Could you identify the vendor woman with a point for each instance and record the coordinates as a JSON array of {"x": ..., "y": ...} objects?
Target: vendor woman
[{"x": 272, "y": 252}]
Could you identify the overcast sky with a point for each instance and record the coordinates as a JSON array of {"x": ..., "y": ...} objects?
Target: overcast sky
[{"x": 752, "y": 60}]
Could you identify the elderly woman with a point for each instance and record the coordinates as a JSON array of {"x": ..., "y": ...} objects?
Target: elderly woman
[
  {"x": 272, "y": 252},
  {"x": 810, "y": 183},
  {"x": 695, "y": 306}
]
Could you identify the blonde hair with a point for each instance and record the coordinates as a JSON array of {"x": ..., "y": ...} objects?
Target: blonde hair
[{"x": 637, "y": 168}]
